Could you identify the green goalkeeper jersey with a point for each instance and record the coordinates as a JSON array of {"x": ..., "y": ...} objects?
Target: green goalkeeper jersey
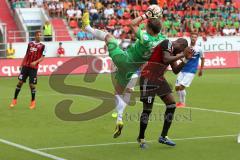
[{"x": 141, "y": 50}]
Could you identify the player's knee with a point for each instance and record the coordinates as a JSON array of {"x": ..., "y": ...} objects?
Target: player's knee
[
  {"x": 177, "y": 88},
  {"x": 20, "y": 83},
  {"x": 129, "y": 90},
  {"x": 147, "y": 107},
  {"x": 108, "y": 38},
  {"x": 32, "y": 86},
  {"x": 171, "y": 106},
  {"x": 181, "y": 87}
]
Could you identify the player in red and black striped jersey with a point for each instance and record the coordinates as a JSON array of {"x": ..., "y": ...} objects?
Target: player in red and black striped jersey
[
  {"x": 34, "y": 55},
  {"x": 152, "y": 83}
]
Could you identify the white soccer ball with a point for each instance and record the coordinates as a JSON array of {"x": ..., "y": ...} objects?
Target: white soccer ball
[{"x": 155, "y": 10}]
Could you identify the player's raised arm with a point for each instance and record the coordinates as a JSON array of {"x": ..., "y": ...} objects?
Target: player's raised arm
[
  {"x": 176, "y": 68},
  {"x": 152, "y": 12},
  {"x": 168, "y": 58},
  {"x": 176, "y": 50},
  {"x": 187, "y": 53},
  {"x": 135, "y": 22}
]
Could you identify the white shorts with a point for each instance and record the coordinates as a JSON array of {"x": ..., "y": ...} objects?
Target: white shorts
[{"x": 184, "y": 79}]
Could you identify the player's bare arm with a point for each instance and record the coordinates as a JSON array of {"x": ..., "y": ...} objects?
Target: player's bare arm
[
  {"x": 168, "y": 58},
  {"x": 201, "y": 67},
  {"x": 37, "y": 61},
  {"x": 135, "y": 23},
  {"x": 176, "y": 68},
  {"x": 186, "y": 54}
]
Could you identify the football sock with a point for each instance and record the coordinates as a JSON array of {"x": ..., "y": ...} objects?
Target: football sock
[
  {"x": 100, "y": 35},
  {"x": 127, "y": 97},
  {"x": 168, "y": 117},
  {"x": 17, "y": 90},
  {"x": 33, "y": 92},
  {"x": 144, "y": 122},
  {"x": 179, "y": 96},
  {"x": 183, "y": 95},
  {"x": 120, "y": 106}
]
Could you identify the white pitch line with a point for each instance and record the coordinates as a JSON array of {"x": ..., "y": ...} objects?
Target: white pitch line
[
  {"x": 213, "y": 110},
  {"x": 31, "y": 150},
  {"x": 160, "y": 104},
  {"x": 203, "y": 109},
  {"x": 124, "y": 143}
]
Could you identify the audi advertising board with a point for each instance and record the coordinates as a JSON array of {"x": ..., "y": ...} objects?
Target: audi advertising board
[{"x": 103, "y": 64}]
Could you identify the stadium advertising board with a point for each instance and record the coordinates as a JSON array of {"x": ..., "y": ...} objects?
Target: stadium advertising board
[
  {"x": 94, "y": 47},
  {"x": 103, "y": 64}
]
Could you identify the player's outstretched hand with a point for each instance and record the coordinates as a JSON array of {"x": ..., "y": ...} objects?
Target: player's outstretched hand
[{"x": 188, "y": 52}]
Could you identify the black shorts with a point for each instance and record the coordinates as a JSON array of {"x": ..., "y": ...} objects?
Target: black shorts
[
  {"x": 28, "y": 72},
  {"x": 150, "y": 89}
]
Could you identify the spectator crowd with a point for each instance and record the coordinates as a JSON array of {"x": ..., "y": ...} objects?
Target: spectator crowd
[{"x": 180, "y": 17}]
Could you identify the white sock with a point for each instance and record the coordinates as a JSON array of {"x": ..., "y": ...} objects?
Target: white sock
[
  {"x": 120, "y": 106},
  {"x": 127, "y": 97},
  {"x": 100, "y": 35},
  {"x": 179, "y": 96},
  {"x": 89, "y": 29},
  {"x": 183, "y": 95}
]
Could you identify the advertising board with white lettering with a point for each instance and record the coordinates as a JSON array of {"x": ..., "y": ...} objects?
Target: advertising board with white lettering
[
  {"x": 103, "y": 64},
  {"x": 95, "y": 47}
]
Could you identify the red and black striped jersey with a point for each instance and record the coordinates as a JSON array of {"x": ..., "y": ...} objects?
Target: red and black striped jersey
[
  {"x": 154, "y": 69},
  {"x": 34, "y": 52}
]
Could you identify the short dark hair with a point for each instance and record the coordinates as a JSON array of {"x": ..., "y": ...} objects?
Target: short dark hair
[
  {"x": 155, "y": 25},
  {"x": 194, "y": 33},
  {"x": 36, "y": 32},
  {"x": 182, "y": 42}
]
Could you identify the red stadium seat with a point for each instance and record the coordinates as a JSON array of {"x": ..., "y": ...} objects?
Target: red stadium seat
[
  {"x": 213, "y": 6},
  {"x": 236, "y": 5},
  {"x": 128, "y": 22},
  {"x": 126, "y": 15},
  {"x": 130, "y": 7},
  {"x": 126, "y": 29},
  {"x": 180, "y": 34},
  {"x": 206, "y": 6},
  {"x": 73, "y": 24},
  {"x": 137, "y": 8},
  {"x": 180, "y": 13},
  {"x": 187, "y": 34},
  {"x": 144, "y": 7},
  {"x": 112, "y": 22},
  {"x": 121, "y": 22}
]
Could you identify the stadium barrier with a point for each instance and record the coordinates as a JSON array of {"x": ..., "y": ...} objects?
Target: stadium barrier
[
  {"x": 103, "y": 64},
  {"x": 95, "y": 47}
]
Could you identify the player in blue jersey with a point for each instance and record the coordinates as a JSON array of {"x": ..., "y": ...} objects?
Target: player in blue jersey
[{"x": 187, "y": 74}]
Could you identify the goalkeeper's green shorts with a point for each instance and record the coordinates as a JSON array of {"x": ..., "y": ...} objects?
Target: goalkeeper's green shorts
[{"x": 125, "y": 66}]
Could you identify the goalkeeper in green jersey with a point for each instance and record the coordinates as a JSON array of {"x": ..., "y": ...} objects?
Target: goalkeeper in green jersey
[{"x": 129, "y": 61}]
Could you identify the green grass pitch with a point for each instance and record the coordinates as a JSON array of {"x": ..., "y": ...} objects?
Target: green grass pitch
[{"x": 216, "y": 91}]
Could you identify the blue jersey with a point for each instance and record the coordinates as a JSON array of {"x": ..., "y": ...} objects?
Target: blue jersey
[{"x": 192, "y": 65}]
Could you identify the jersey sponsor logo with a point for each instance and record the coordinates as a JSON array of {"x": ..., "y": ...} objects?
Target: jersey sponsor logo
[
  {"x": 33, "y": 49},
  {"x": 145, "y": 37}
]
